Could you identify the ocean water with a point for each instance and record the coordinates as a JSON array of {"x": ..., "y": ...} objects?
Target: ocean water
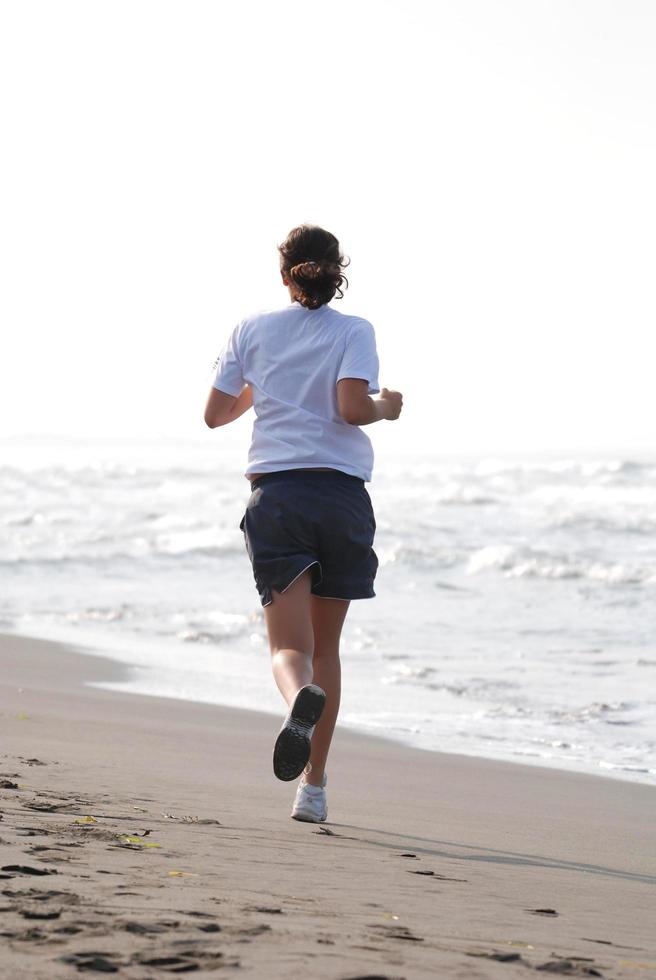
[{"x": 515, "y": 615}]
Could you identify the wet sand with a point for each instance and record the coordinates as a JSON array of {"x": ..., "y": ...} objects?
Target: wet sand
[{"x": 148, "y": 837}]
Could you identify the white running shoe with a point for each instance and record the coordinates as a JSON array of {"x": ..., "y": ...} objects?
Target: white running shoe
[{"x": 310, "y": 803}]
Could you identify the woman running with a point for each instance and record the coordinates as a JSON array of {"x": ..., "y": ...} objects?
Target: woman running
[{"x": 308, "y": 371}]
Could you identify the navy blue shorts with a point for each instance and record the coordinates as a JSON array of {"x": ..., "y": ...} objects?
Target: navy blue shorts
[{"x": 317, "y": 519}]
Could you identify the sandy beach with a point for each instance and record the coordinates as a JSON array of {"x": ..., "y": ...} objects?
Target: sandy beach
[{"x": 148, "y": 836}]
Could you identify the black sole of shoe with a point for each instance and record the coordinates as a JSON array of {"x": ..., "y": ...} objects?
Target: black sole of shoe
[{"x": 292, "y": 749}]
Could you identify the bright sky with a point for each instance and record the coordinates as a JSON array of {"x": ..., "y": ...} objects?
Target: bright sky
[{"x": 488, "y": 165}]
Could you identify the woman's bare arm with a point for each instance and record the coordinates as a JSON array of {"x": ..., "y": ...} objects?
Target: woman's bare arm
[
  {"x": 222, "y": 408},
  {"x": 359, "y": 408}
]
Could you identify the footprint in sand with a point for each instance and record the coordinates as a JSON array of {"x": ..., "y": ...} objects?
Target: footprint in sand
[
  {"x": 264, "y": 909},
  {"x": 38, "y": 895},
  {"x": 27, "y": 935},
  {"x": 44, "y": 807},
  {"x": 569, "y": 968},
  {"x": 250, "y": 932},
  {"x": 150, "y": 928},
  {"x": 24, "y": 869},
  {"x": 31, "y": 832},
  {"x": 185, "y": 960},
  {"x": 102, "y": 962},
  {"x": 500, "y": 957},
  {"x": 434, "y": 874},
  {"x": 40, "y": 913},
  {"x": 374, "y": 976},
  {"x": 396, "y": 932}
]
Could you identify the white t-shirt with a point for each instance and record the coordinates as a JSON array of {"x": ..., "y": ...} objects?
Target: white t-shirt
[{"x": 293, "y": 358}]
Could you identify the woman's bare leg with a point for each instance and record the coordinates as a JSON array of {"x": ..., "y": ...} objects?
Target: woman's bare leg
[
  {"x": 291, "y": 637},
  {"x": 328, "y": 617},
  {"x": 304, "y": 634}
]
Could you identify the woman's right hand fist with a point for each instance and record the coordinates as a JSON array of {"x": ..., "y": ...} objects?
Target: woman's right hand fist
[{"x": 393, "y": 403}]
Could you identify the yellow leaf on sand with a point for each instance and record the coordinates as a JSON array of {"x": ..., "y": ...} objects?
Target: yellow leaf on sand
[
  {"x": 180, "y": 874},
  {"x": 21, "y": 716},
  {"x": 85, "y": 820},
  {"x": 129, "y": 839}
]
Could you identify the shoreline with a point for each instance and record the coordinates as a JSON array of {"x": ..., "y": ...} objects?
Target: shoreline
[
  {"x": 429, "y": 863},
  {"x": 100, "y": 648}
]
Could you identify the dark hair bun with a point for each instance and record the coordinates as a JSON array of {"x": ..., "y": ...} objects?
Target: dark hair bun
[{"x": 311, "y": 258}]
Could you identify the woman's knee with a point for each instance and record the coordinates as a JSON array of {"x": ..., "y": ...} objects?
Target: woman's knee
[{"x": 291, "y": 639}]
